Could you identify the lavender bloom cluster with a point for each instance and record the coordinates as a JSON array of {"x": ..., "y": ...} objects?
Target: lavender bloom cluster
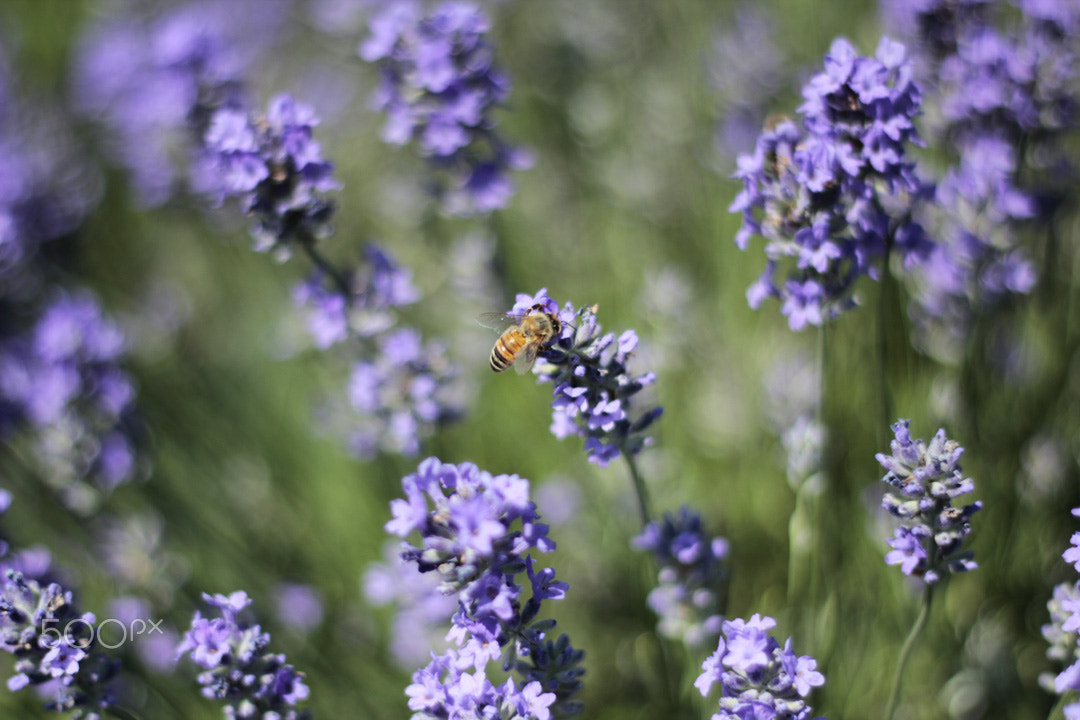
[
  {"x": 925, "y": 480},
  {"x": 189, "y": 68},
  {"x": 5, "y": 505},
  {"x": 361, "y": 303},
  {"x": 835, "y": 192},
  {"x": 593, "y": 388},
  {"x": 275, "y": 167},
  {"x": 1063, "y": 632},
  {"x": 934, "y": 25},
  {"x": 53, "y": 645},
  {"x": 237, "y": 667},
  {"x": 758, "y": 678},
  {"x": 466, "y": 538},
  {"x": 440, "y": 87},
  {"x": 400, "y": 395},
  {"x": 64, "y": 397},
  {"x": 155, "y": 81},
  {"x": 1017, "y": 80},
  {"x": 978, "y": 260},
  {"x": 689, "y": 596},
  {"x": 48, "y": 189},
  {"x": 401, "y": 387},
  {"x": 63, "y": 389},
  {"x": 1004, "y": 97},
  {"x": 398, "y": 390}
]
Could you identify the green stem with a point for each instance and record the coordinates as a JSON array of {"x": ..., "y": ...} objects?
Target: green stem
[
  {"x": 639, "y": 489},
  {"x": 801, "y": 555},
  {"x": 336, "y": 274},
  {"x": 796, "y": 553},
  {"x": 1071, "y": 299},
  {"x": 822, "y": 348},
  {"x": 1058, "y": 711},
  {"x": 905, "y": 651},
  {"x": 883, "y": 347},
  {"x": 121, "y": 713}
]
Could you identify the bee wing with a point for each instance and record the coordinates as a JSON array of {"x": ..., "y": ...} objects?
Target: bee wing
[
  {"x": 525, "y": 359},
  {"x": 497, "y": 321}
]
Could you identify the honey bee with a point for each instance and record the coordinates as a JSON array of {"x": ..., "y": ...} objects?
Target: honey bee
[{"x": 524, "y": 339}]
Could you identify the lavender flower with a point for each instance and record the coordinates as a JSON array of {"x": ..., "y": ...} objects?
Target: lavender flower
[
  {"x": 691, "y": 584},
  {"x": 1019, "y": 81},
  {"x": 47, "y": 190},
  {"x": 237, "y": 668},
  {"x": 758, "y": 678},
  {"x": 361, "y": 303},
  {"x": 1005, "y": 97},
  {"x": 935, "y": 26},
  {"x": 400, "y": 388},
  {"x": 54, "y": 644},
  {"x": 444, "y": 690},
  {"x": 467, "y": 535},
  {"x": 398, "y": 396},
  {"x": 1063, "y": 633},
  {"x": 467, "y": 539},
  {"x": 276, "y": 169},
  {"x": 154, "y": 81},
  {"x": 5, "y": 505},
  {"x": 440, "y": 87},
  {"x": 836, "y": 192},
  {"x": 592, "y": 386},
  {"x": 62, "y": 388},
  {"x": 927, "y": 478}
]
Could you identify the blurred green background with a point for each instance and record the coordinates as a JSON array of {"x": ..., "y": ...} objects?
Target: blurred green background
[{"x": 626, "y": 208}]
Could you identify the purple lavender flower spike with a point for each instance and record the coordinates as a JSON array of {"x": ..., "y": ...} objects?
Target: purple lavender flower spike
[
  {"x": 924, "y": 480},
  {"x": 54, "y": 646},
  {"x": 237, "y": 667},
  {"x": 759, "y": 678},
  {"x": 362, "y": 304},
  {"x": 62, "y": 390},
  {"x": 593, "y": 389},
  {"x": 467, "y": 533},
  {"x": 439, "y": 88},
  {"x": 469, "y": 538},
  {"x": 834, "y": 192},
  {"x": 1003, "y": 89},
  {"x": 274, "y": 166},
  {"x": 48, "y": 188},
  {"x": 398, "y": 395},
  {"x": 400, "y": 387},
  {"x": 691, "y": 586},
  {"x": 155, "y": 81},
  {"x": 444, "y": 689},
  {"x": 1063, "y": 635}
]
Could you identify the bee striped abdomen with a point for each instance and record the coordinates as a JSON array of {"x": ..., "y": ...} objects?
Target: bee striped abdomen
[{"x": 506, "y": 349}]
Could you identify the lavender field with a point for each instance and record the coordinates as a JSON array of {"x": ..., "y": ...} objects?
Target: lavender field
[{"x": 791, "y": 292}]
